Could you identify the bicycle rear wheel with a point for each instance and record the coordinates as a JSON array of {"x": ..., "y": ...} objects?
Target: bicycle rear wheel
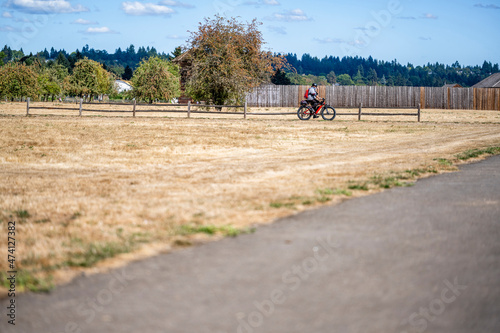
[
  {"x": 328, "y": 113},
  {"x": 304, "y": 113}
]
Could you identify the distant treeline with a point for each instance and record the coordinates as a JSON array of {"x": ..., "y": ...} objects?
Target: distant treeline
[
  {"x": 308, "y": 69},
  {"x": 122, "y": 63},
  {"x": 370, "y": 71}
]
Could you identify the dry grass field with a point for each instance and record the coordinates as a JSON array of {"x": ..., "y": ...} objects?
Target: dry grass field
[{"x": 97, "y": 191}]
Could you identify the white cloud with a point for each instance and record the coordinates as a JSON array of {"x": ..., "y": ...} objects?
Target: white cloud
[
  {"x": 99, "y": 30},
  {"x": 262, "y": 3},
  {"x": 295, "y": 15},
  {"x": 45, "y": 6},
  {"x": 138, "y": 8},
  {"x": 172, "y": 3},
  {"x": 492, "y": 6},
  {"x": 176, "y": 37},
  {"x": 430, "y": 16},
  {"x": 83, "y": 22},
  {"x": 7, "y": 15},
  {"x": 329, "y": 40},
  {"x": 8, "y": 28}
]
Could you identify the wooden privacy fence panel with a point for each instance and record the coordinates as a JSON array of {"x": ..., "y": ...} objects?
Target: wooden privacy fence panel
[
  {"x": 486, "y": 98},
  {"x": 381, "y": 97},
  {"x": 274, "y": 96}
]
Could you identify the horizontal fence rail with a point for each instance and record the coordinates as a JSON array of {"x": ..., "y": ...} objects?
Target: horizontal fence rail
[
  {"x": 381, "y": 97},
  {"x": 133, "y": 109}
]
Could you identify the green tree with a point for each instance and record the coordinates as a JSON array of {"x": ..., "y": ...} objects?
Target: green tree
[
  {"x": 372, "y": 77},
  {"x": 51, "y": 79},
  {"x": 127, "y": 75},
  {"x": 156, "y": 78},
  {"x": 359, "y": 80},
  {"x": 62, "y": 60},
  {"x": 383, "y": 80},
  {"x": 228, "y": 61},
  {"x": 280, "y": 78},
  {"x": 2, "y": 57},
  {"x": 118, "y": 71},
  {"x": 177, "y": 52},
  {"x": 345, "y": 80},
  {"x": 331, "y": 77},
  {"x": 90, "y": 79},
  {"x": 18, "y": 81}
]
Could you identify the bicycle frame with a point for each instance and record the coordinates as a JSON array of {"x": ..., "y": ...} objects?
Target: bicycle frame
[{"x": 320, "y": 106}]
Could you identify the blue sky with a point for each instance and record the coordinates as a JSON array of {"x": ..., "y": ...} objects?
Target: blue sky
[{"x": 412, "y": 31}]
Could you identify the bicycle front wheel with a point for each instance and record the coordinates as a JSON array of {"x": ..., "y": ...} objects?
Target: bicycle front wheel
[
  {"x": 328, "y": 113},
  {"x": 304, "y": 113}
]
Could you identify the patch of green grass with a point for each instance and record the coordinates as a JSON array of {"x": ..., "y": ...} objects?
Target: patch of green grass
[
  {"x": 323, "y": 199},
  {"x": 22, "y": 214},
  {"x": 226, "y": 231},
  {"x": 444, "y": 161},
  {"x": 282, "y": 204},
  {"x": 326, "y": 191},
  {"x": 474, "y": 153},
  {"x": 357, "y": 186},
  {"x": 389, "y": 181},
  {"x": 95, "y": 252},
  {"x": 342, "y": 192},
  {"x": 75, "y": 216},
  {"x": 26, "y": 280}
]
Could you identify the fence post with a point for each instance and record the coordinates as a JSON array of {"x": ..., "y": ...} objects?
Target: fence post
[
  {"x": 27, "y": 106},
  {"x": 418, "y": 112},
  {"x": 245, "y": 110},
  {"x": 133, "y": 111},
  {"x": 189, "y": 109},
  {"x": 81, "y": 109},
  {"x": 359, "y": 113}
]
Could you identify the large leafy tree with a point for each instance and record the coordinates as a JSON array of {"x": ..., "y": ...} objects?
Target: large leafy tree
[
  {"x": 156, "y": 78},
  {"x": 227, "y": 61},
  {"x": 18, "y": 81},
  {"x": 345, "y": 80},
  {"x": 89, "y": 78},
  {"x": 51, "y": 80}
]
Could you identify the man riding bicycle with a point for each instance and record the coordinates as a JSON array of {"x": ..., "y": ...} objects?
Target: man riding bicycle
[{"x": 312, "y": 97}]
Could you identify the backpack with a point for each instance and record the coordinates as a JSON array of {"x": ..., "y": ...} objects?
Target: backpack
[{"x": 306, "y": 95}]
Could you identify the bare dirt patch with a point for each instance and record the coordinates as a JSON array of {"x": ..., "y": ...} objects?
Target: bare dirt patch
[{"x": 83, "y": 190}]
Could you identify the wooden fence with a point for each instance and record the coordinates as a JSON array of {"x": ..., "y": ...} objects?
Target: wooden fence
[
  {"x": 381, "y": 97},
  {"x": 133, "y": 108}
]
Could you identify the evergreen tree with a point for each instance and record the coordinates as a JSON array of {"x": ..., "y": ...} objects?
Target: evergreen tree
[
  {"x": 128, "y": 73},
  {"x": 280, "y": 78},
  {"x": 359, "y": 80},
  {"x": 62, "y": 60},
  {"x": 372, "y": 77},
  {"x": 177, "y": 52}
]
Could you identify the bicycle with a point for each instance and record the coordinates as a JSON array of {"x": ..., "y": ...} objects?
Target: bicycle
[{"x": 306, "y": 111}]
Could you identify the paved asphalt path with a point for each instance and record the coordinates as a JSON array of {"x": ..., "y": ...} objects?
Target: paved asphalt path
[{"x": 418, "y": 259}]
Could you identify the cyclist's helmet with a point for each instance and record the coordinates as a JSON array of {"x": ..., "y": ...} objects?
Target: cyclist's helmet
[{"x": 315, "y": 85}]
